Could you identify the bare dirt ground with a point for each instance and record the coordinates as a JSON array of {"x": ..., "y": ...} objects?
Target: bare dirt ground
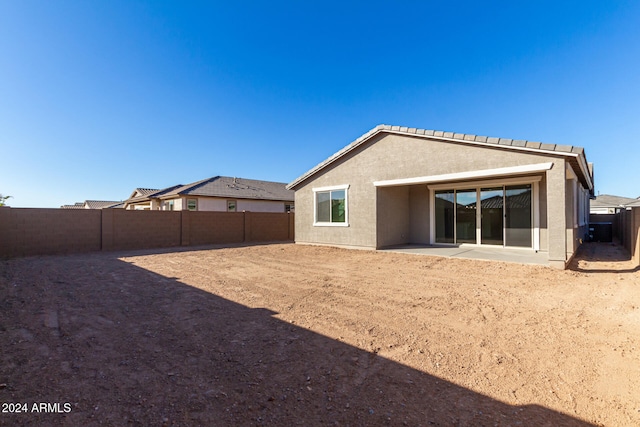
[{"x": 298, "y": 335}]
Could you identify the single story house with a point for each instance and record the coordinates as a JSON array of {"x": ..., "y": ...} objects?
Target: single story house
[
  {"x": 397, "y": 185},
  {"x": 608, "y": 204},
  {"x": 219, "y": 193}
]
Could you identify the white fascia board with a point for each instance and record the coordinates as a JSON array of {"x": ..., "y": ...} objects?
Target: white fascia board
[
  {"x": 483, "y": 173},
  {"x": 330, "y": 188}
]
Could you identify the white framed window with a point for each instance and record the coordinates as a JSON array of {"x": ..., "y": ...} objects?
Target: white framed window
[
  {"x": 331, "y": 206},
  {"x": 192, "y": 204},
  {"x": 518, "y": 229},
  {"x": 231, "y": 206}
]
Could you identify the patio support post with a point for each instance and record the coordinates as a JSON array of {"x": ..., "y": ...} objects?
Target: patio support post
[{"x": 556, "y": 214}]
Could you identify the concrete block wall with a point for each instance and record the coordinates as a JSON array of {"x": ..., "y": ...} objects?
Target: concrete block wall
[
  {"x": 268, "y": 226},
  {"x": 25, "y": 231},
  {"x": 140, "y": 229},
  {"x": 626, "y": 234},
  {"x": 204, "y": 228},
  {"x": 626, "y": 229}
]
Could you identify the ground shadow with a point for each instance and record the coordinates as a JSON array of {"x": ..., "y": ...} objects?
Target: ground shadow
[
  {"x": 592, "y": 256},
  {"x": 125, "y": 346},
  {"x": 177, "y": 249}
]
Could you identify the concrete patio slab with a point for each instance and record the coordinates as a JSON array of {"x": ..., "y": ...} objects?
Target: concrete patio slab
[{"x": 515, "y": 255}]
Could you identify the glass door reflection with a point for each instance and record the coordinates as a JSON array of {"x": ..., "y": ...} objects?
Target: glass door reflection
[
  {"x": 492, "y": 214},
  {"x": 466, "y": 201}
]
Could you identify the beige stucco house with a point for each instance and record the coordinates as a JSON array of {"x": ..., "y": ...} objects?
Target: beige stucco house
[
  {"x": 218, "y": 193},
  {"x": 608, "y": 204},
  {"x": 396, "y": 185}
]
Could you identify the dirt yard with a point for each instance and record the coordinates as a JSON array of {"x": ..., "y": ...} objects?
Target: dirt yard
[{"x": 299, "y": 335}]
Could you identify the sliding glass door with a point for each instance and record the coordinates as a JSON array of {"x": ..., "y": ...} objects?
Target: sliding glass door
[
  {"x": 517, "y": 215},
  {"x": 445, "y": 216},
  {"x": 504, "y": 217},
  {"x": 466, "y": 216},
  {"x": 492, "y": 206}
]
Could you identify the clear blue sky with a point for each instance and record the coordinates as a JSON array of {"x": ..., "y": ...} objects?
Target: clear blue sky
[{"x": 100, "y": 97}]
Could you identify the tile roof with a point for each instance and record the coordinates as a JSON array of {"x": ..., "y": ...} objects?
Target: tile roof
[
  {"x": 145, "y": 191},
  {"x": 78, "y": 205},
  {"x": 608, "y": 200},
  {"x": 238, "y": 188},
  {"x": 94, "y": 204},
  {"x": 101, "y": 204},
  {"x": 224, "y": 186},
  {"x": 517, "y": 144},
  {"x": 142, "y": 192},
  {"x": 153, "y": 194},
  {"x": 118, "y": 205}
]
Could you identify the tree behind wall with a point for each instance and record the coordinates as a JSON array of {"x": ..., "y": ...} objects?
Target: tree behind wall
[{"x": 3, "y": 199}]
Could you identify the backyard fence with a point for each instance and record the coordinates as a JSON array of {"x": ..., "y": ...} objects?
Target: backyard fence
[
  {"x": 625, "y": 227},
  {"x": 628, "y": 222},
  {"x": 26, "y": 231}
]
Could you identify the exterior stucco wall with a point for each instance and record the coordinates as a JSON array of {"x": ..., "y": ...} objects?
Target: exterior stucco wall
[
  {"x": 393, "y": 215},
  {"x": 210, "y": 204},
  {"x": 403, "y": 215},
  {"x": 361, "y": 231},
  {"x": 390, "y": 156},
  {"x": 259, "y": 205},
  {"x": 569, "y": 215},
  {"x": 577, "y": 230},
  {"x": 419, "y": 214},
  {"x": 556, "y": 214},
  {"x": 177, "y": 204},
  {"x": 220, "y": 204}
]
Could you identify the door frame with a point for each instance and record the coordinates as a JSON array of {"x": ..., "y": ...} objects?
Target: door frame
[{"x": 477, "y": 185}]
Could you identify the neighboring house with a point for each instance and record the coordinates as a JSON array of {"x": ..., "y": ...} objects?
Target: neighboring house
[
  {"x": 147, "y": 199},
  {"x": 608, "y": 204},
  {"x": 94, "y": 204},
  {"x": 396, "y": 185},
  {"x": 219, "y": 193},
  {"x": 141, "y": 192}
]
